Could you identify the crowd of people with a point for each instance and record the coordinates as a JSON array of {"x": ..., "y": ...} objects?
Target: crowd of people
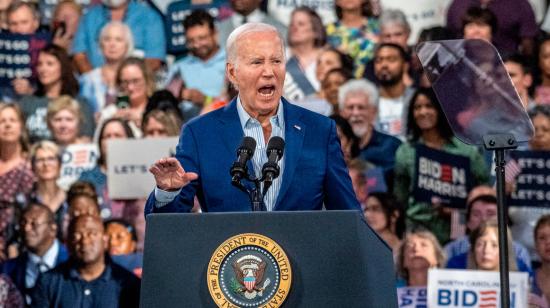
[{"x": 106, "y": 73}]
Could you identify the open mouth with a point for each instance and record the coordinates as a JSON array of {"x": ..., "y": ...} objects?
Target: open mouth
[{"x": 267, "y": 91}]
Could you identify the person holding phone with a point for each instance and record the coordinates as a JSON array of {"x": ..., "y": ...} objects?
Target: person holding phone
[
  {"x": 205, "y": 61},
  {"x": 65, "y": 22}
]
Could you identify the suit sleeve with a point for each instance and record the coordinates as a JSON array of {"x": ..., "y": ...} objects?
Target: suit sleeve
[
  {"x": 188, "y": 156},
  {"x": 339, "y": 194}
]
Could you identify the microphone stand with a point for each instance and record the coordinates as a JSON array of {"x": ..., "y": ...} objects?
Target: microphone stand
[{"x": 255, "y": 195}]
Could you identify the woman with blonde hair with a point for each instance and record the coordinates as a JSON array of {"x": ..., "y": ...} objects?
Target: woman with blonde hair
[
  {"x": 64, "y": 118},
  {"x": 419, "y": 252},
  {"x": 46, "y": 164},
  {"x": 161, "y": 123}
]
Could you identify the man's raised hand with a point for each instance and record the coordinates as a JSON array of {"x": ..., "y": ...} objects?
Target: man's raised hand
[{"x": 169, "y": 174}]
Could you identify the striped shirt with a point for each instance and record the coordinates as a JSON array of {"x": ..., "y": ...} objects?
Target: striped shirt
[{"x": 253, "y": 128}]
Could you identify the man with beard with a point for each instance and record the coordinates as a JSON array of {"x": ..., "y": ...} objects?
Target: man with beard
[
  {"x": 145, "y": 23},
  {"x": 205, "y": 61},
  {"x": 358, "y": 101},
  {"x": 390, "y": 64},
  {"x": 89, "y": 278}
]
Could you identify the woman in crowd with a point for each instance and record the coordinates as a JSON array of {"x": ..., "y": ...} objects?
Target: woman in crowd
[
  {"x": 46, "y": 164},
  {"x": 329, "y": 59},
  {"x": 64, "y": 118},
  {"x": 135, "y": 83},
  {"x": 82, "y": 199},
  {"x": 122, "y": 245},
  {"x": 385, "y": 216},
  {"x": 427, "y": 126},
  {"x": 16, "y": 177},
  {"x": 325, "y": 101},
  {"x": 159, "y": 123},
  {"x": 541, "y": 279},
  {"x": 542, "y": 89},
  {"x": 122, "y": 237},
  {"x": 55, "y": 78},
  {"x": 355, "y": 32},
  {"x": 524, "y": 217},
  {"x": 484, "y": 249},
  {"x": 99, "y": 85},
  {"x": 306, "y": 38},
  {"x": 419, "y": 252},
  {"x": 65, "y": 20}
]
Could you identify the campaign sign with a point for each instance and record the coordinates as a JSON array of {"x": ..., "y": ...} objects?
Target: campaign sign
[
  {"x": 128, "y": 162},
  {"x": 412, "y": 297},
  {"x": 76, "y": 159},
  {"x": 19, "y": 54},
  {"x": 442, "y": 176},
  {"x": 176, "y": 13},
  {"x": 533, "y": 181},
  {"x": 469, "y": 288}
]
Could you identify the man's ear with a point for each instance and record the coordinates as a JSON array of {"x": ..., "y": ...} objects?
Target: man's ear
[{"x": 230, "y": 71}]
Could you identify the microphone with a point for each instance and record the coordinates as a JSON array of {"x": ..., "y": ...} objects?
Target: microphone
[
  {"x": 244, "y": 153},
  {"x": 271, "y": 170}
]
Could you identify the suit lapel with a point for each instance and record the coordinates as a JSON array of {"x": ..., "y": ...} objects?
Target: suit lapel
[
  {"x": 232, "y": 130},
  {"x": 294, "y": 138}
]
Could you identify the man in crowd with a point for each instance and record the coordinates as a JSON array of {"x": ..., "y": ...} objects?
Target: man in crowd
[
  {"x": 205, "y": 61},
  {"x": 147, "y": 31},
  {"x": 313, "y": 171},
  {"x": 358, "y": 101},
  {"x": 42, "y": 251},
  {"x": 246, "y": 11},
  {"x": 481, "y": 206},
  {"x": 390, "y": 65},
  {"x": 89, "y": 278},
  {"x": 23, "y": 18}
]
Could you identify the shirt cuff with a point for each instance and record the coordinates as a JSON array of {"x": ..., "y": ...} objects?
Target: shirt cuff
[{"x": 163, "y": 197}]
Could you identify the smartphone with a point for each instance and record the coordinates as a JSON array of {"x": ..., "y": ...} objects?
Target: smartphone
[
  {"x": 122, "y": 101},
  {"x": 60, "y": 26},
  {"x": 175, "y": 85}
]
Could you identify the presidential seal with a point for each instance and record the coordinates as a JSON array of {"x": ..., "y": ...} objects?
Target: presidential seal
[{"x": 249, "y": 270}]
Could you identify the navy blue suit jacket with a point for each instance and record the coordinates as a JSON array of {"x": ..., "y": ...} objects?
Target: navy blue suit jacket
[
  {"x": 16, "y": 267},
  {"x": 315, "y": 172}
]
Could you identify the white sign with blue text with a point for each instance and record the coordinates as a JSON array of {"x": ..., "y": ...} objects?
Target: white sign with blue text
[{"x": 473, "y": 289}]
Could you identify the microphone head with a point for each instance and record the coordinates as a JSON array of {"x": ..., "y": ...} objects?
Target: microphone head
[
  {"x": 248, "y": 144},
  {"x": 276, "y": 143}
]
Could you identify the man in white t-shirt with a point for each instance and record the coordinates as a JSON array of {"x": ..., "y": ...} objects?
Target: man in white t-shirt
[{"x": 390, "y": 64}]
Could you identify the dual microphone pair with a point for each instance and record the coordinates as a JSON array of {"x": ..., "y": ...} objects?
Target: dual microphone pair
[{"x": 270, "y": 170}]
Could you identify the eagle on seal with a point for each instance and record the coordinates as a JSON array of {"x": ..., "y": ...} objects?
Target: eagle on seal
[{"x": 249, "y": 271}]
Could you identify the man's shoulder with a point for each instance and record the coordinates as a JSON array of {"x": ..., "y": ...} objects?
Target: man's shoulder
[
  {"x": 142, "y": 10},
  {"x": 306, "y": 115},
  {"x": 10, "y": 265},
  {"x": 122, "y": 275}
]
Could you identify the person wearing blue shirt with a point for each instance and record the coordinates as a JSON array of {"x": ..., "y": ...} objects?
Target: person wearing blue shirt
[
  {"x": 147, "y": 30},
  {"x": 358, "y": 101},
  {"x": 205, "y": 61},
  {"x": 89, "y": 278}
]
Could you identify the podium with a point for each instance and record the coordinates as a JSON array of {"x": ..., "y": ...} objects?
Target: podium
[{"x": 336, "y": 259}]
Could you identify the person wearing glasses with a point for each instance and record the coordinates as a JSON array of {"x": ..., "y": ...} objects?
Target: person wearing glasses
[{"x": 40, "y": 250}]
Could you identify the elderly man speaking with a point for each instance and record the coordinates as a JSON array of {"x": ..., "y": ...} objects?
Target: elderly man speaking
[{"x": 313, "y": 172}]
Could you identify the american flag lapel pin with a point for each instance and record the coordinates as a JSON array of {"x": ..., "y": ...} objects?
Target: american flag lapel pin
[{"x": 297, "y": 127}]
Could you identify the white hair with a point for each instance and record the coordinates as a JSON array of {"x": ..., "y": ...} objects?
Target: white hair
[
  {"x": 126, "y": 33},
  {"x": 394, "y": 16},
  {"x": 358, "y": 86},
  {"x": 251, "y": 27}
]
